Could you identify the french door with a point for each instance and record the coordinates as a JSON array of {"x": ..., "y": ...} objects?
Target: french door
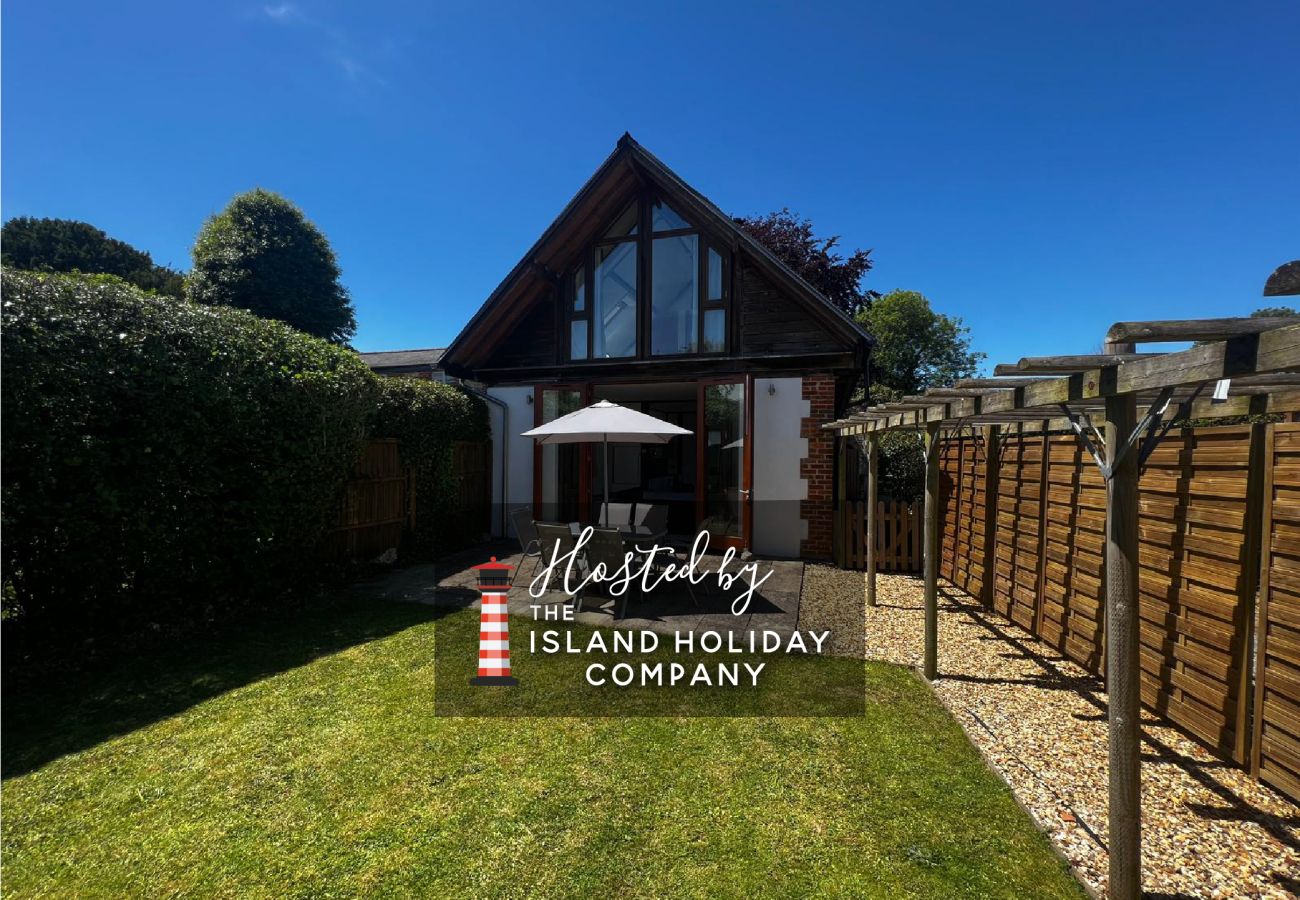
[
  {"x": 561, "y": 472},
  {"x": 725, "y": 460}
]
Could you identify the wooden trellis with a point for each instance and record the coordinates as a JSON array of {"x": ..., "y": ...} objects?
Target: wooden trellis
[{"x": 1044, "y": 535}]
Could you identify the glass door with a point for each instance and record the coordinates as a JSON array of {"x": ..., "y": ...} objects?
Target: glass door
[
  {"x": 724, "y": 462},
  {"x": 559, "y": 470}
]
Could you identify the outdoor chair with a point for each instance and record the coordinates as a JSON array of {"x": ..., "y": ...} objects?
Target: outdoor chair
[
  {"x": 652, "y": 516},
  {"x": 606, "y": 546},
  {"x": 522, "y": 518},
  {"x": 550, "y": 534},
  {"x": 620, "y": 514}
]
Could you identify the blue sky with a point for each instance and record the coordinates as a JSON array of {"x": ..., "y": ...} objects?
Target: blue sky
[{"x": 1039, "y": 169}]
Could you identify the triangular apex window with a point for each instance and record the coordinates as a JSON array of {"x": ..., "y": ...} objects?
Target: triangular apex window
[
  {"x": 625, "y": 224},
  {"x": 665, "y": 218}
]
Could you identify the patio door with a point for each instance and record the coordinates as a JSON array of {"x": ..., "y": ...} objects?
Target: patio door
[
  {"x": 725, "y": 461},
  {"x": 561, "y": 472}
]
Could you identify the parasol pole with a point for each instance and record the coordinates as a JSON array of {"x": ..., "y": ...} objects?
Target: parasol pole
[{"x": 606, "y": 497}]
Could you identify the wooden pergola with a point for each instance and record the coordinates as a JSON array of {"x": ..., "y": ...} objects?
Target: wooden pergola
[{"x": 1119, "y": 404}]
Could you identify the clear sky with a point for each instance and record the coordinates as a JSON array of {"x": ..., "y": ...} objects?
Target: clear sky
[{"x": 1040, "y": 169}]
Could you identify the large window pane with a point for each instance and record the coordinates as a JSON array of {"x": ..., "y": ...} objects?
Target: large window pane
[
  {"x": 715, "y": 275},
  {"x": 614, "y": 304},
  {"x": 674, "y": 299},
  {"x": 715, "y": 330},
  {"x": 578, "y": 339},
  {"x": 664, "y": 218}
]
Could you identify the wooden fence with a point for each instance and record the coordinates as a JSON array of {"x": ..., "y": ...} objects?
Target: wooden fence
[
  {"x": 472, "y": 462},
  {"x": 898, "y": 535},
  {"x": 1275, "y": 753},
  {"x": 378, "y": 504},
  {"x": 1023, "y": 517}
]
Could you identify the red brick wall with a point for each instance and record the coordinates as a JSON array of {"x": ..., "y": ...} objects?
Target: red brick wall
[{"x": 818, "y": 467}]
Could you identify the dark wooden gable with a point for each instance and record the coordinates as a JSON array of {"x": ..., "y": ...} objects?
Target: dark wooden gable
[
  {"x": 773, "y": 322},
  {"x": 774, "y": 316},
  {"x": 533, "y": 341}
]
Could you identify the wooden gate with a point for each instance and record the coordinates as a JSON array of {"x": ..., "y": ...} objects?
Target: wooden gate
[
  {"x": 472, "y": 463},
  {"x": 377, "y": 507},
  {"x": 898, "y": 535}
]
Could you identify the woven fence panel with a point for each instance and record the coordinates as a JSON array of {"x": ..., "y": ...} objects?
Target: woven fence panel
[
  {"x": 962, "y": 509},
  {"x": 1277, "y": 673},
  {"x": 1019, "y": 519},
  {"x": 1073, "y": 551},
  {"x": 1193, "y": 546}
]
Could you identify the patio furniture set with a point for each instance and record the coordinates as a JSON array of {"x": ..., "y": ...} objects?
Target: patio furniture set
[{"x": 636, "y": 528}]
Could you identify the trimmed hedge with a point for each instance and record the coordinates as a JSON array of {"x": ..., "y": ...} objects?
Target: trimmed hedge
[
  {"x": 165, "y": 464},
  {"x": 427, "y": 417}
]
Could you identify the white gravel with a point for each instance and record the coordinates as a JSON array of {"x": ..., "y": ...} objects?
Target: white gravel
[{"x": 1209, "y": 830}]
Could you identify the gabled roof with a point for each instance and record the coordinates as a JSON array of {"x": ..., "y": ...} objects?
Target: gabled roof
[
  {"x": 618, "y": 178},
  {"x": 393, "y": 359}
]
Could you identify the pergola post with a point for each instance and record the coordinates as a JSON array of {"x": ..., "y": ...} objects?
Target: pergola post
[
  {"x": 1122, "y": 671},
  {"x": 873, "y": 479},
  {"x": 931, "y": 550}
]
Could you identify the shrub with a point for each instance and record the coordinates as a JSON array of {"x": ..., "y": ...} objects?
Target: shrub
[
  {"x": 165, "y": 464},
  {"x": 427, "y": 417}
]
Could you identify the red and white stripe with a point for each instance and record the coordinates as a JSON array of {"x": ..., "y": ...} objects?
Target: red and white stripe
[{"x": 494, "y": 636}]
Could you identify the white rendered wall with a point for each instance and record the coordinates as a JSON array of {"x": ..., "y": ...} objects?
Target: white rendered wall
[
  {"x": 778, "y": 452},
  {"x": 519, "y": 463}
]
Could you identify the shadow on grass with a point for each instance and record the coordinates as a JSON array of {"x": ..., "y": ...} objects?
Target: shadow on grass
[{"x": 48, "y": 720}]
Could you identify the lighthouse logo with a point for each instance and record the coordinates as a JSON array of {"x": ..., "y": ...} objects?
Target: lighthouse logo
[{"x": 494, "y": 625}]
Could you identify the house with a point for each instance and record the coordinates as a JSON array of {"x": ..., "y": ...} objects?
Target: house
[
  {"x": 407, "y": 363},
  {"x": 644, "y": 293}
]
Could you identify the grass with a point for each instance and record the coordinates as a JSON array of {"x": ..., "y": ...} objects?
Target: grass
[{"x": 305, "y": 759}]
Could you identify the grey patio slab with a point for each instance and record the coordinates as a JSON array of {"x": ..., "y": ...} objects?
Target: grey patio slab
[
  {"x": 723, "y": 623},
  {"x": 670, "y": 608}
]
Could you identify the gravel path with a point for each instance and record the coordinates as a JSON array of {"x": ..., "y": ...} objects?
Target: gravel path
[{"x": 1040, "y": 721}]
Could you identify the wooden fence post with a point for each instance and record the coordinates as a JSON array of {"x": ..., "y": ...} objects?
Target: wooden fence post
[
  {"x": 872, "y": 478},
  {"x": 1122, "y": 672},
  {"x": 1252, "y": 566},
  {"x": 931, "y": 550},
  {"x": 840, "y": 518}
]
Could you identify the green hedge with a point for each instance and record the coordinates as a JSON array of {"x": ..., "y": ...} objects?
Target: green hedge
[
  {"x": 427, "y": 417},
  {"x": 165, "y": 464}
]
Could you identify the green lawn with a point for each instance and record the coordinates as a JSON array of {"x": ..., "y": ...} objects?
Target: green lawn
[{"x": 306, "y": 760}]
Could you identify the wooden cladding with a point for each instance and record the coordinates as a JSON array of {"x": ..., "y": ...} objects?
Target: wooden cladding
[
  {"x": 1023, "y": 530},
  {"x": 898, "y": 535},
  {"x": 1276, "y": 743}
]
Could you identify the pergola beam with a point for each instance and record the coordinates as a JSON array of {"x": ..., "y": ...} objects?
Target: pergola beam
[
  {"x": 1257, "y": 353},
  {"x": 1055, "y": 365},
  {"x": 1194, "y": 329}
]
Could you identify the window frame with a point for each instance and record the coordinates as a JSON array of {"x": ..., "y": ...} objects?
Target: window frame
[{"x": 645, "y": 237}]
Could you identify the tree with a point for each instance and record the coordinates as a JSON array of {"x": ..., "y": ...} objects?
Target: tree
[
  {"x": 66, "y": 245},
  {"x": 262, "y": 254},
  {"x": 814, "y": 258},
  {"x": 916, "y": 347},
  {"x": 1267, "y": 312}
]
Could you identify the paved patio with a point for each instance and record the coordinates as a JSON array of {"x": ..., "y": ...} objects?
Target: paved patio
[{"x": 669, "y": 608}]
